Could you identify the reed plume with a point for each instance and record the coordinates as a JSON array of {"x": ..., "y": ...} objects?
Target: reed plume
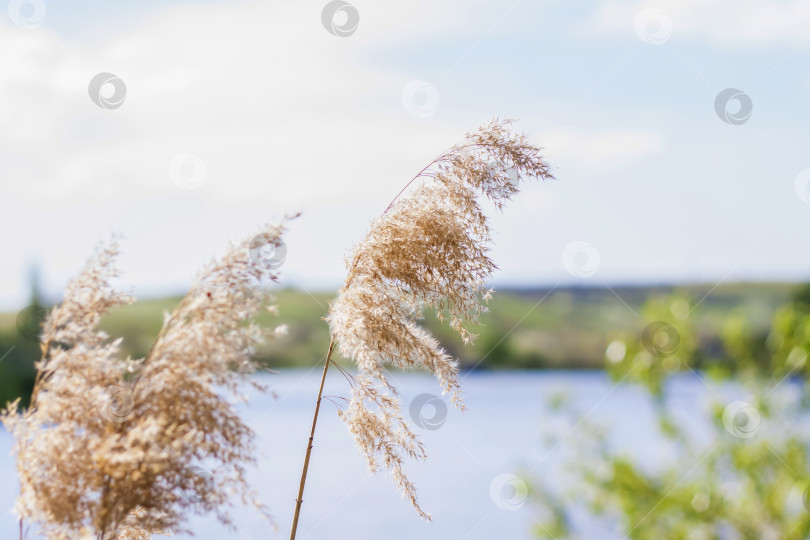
[
  {"x": 429, "y": 249},
  {"x": 124, "y": 448}
]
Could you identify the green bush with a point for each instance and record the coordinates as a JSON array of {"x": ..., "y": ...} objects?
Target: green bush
[{"x": 748, "y": 479}]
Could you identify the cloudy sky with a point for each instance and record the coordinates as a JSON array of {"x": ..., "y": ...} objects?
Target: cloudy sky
[{"x": 228, "y": 114}]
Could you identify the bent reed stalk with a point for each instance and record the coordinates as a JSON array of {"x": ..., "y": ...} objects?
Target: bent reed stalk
[{"x": 427, "y": 250}]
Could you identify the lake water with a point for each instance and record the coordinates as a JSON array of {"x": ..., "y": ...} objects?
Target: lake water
[{"x": 462, "y": 484}]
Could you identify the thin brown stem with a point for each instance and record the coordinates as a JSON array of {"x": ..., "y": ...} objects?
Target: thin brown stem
[
  {"x": 419, "y": 175},
  {"x": 424, "y": 171},
  {"x": 300, "y": 498}
]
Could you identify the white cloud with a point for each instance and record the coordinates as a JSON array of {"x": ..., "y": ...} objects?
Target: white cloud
[
  {"x": 258, "y": 93},
  {"x": 284, "y": 115},
  {"x": 731, "y": 23}
]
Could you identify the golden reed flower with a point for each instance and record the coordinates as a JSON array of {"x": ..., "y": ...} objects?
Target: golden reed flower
[
  {"x": 123, "y": 448},
  {"x": 428, "y": 250}
]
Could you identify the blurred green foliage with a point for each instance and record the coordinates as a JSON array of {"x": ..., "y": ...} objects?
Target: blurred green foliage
[{"x": 749, "y": 477}]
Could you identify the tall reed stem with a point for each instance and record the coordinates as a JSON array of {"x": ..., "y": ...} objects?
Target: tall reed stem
[{"x": 300, "y": 498}]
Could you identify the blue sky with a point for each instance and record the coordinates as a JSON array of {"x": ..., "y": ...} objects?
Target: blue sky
[{"x": 282, "y": 116}]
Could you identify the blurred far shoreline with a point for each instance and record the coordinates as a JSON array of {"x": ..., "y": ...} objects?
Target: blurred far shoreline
[{"x": 561, "y": 328}]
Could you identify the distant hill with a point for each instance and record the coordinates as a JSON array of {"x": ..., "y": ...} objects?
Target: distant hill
[{"x": 561, "y": 328}]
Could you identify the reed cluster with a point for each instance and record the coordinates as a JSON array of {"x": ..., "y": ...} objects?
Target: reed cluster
[{"x": 123, "y": 448}]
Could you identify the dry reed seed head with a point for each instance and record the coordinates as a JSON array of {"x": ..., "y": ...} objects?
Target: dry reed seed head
[
  {"x": 116, "y": 446},
  {"x": 429, "y": 249}
]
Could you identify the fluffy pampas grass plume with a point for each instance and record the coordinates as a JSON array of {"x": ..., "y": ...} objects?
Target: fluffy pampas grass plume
[
  {"x": 123, "y": 448},
  {"x": 429, "y": 249}
]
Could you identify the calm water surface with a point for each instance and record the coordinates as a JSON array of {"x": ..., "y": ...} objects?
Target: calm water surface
[{"x": 504, "y": 431}]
